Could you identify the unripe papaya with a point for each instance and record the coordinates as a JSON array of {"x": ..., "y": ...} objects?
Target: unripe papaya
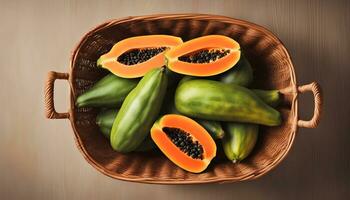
[
  {"x": 214, "y": 100},
  {"x": 213, "y": 127},
  {"x": 241, "y": 74},
  {"x": 105, "y": 121},
  {"x": 139, "y": 111},
  {"x": 110, "y": 91},
  {"x": 270, "y": 97},
  {"x": 239, "y": 140}
]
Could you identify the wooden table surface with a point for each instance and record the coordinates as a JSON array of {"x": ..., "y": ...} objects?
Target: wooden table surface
[{"x": 39, "y": 159}]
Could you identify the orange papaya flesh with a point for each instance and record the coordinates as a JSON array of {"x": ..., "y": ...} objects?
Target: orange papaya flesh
[
  {"x": 204, "y": 56},
  {"x": 134, "y": 57},
  {"x": 185, "y": 142}
]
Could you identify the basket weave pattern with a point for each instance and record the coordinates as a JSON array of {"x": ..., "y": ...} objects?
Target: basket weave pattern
[{"x": 273, "y": 69}]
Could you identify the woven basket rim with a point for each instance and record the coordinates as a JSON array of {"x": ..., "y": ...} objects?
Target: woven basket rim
[{"x": 190, "y": 16}]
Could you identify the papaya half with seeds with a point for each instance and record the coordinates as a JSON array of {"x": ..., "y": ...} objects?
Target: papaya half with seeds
[
  {"x": 204, "y": 56},
  {"x": 105, "y": 121},
  {"x": 110, "y": 91},
  {"x": 139, "y": 111},
  {"x": 185, "y": 142},
  {"x": 214, "y": 100},
  {"x": 134, "y": 57}
]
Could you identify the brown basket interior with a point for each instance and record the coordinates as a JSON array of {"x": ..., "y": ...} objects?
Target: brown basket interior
[{"x": 272, "y": 69}]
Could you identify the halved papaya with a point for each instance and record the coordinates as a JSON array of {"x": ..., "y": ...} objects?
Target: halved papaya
[
  {"x": 185, "y": 142},
  {"x": 204, "y": 56},
  {"x": 134, "y": 57}
]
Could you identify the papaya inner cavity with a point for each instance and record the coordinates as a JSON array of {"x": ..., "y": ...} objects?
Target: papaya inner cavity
[
  {"x": 135, "y": 56},
  {"x": 204, "y": 55},
  {"x": 184, "y": 142}
]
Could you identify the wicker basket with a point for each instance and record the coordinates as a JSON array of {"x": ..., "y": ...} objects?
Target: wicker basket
[{"x": 273, "y": 68}]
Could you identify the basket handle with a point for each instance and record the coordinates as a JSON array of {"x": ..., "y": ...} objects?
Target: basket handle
[
  {"x": 49, "y": 90},
  {"x": 315, "y": 88}
]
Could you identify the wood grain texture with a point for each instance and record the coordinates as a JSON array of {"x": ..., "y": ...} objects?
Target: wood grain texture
[{"x": 38, "y": 157}]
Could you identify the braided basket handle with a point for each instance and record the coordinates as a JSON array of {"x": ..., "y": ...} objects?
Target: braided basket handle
[
  {"x": 49, "y": 90},
  {"x": 318, "y": 98}
]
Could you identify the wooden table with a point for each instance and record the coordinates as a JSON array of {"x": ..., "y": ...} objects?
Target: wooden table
[{"x": 38, "y": 157}]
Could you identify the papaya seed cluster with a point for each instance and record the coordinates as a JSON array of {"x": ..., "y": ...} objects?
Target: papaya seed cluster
[
  {"x": 136, "y": 56},
  {"x": 204, "y": 56},
  {"x": 184, "y": 141}
]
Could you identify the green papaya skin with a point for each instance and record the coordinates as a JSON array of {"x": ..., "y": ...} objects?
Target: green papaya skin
[
  {"x": 173, "y": 78},
  {"x": 271, "y": 97},
  {"x": 213, "y": 100},
  {"x": 213, "y": 127},
  {"x": 239, "y": 140},
  {"x": 105, "y": 121},
  {"x": 240, "y": 74},
  {"x": 139, "y": 111},
  {"x": 110, "y": 91}
]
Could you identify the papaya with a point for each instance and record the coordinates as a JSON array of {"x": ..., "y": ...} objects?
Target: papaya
[
  {"x": 241, "y": 74},
  {"x": 204, "y": 56},
  {"x": 213, "y": 127},
  {"x": 173, "y": 79},
  {"x": 239, "y": 140},
  {"x": 105, "y": 121},
  {"x": 135, "y": 56},
  {"x": 139, "y": 111},
  {"x": 110, "y": 91},
  {"x": 185, "y": 142},
  {"x": 271, "y": 97},
  {"x": 213, "y": 100}
]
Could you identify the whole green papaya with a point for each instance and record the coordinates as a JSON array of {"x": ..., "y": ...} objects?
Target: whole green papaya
[
  {"x": 139, "y": 111},
  {"x": 105, "y": 121},
  {"x": 240, "y": 74},
  {"x": 214, "y": 100},
  {"x": 239, "y": 140},
  {"x": 270, "y": 97},
  {"x": 110, "y": 91}
]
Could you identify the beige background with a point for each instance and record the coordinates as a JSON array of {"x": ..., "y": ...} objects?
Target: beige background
[{"x": 38, "y": 157}]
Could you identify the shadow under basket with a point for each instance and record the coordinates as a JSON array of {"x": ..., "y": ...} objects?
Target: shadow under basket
[{"x": 273, "y": 69}]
